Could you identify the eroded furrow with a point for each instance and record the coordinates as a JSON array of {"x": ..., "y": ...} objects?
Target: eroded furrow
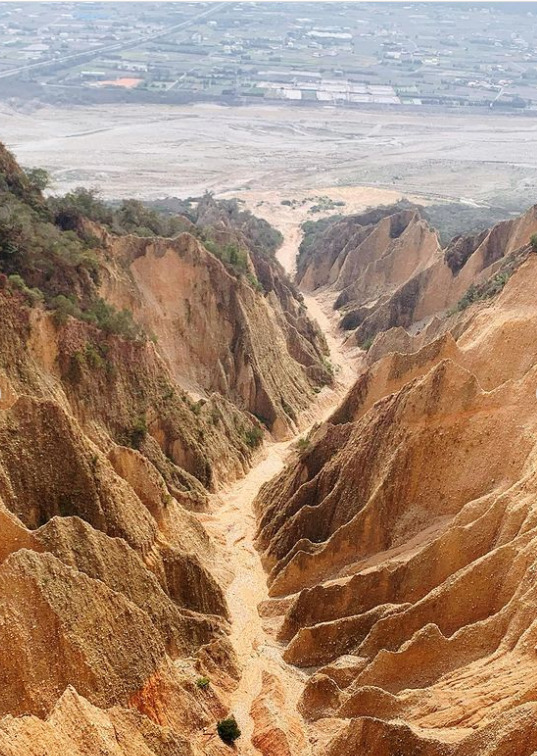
[{"x": 265, "y": 701}]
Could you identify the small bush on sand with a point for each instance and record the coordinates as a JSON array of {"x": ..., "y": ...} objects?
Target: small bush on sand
[
  {"x": 228, "y": 729},
  {"x": 253, "y": 437}
]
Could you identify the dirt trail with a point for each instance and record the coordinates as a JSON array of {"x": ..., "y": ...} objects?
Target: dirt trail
[{"x": 233, "y": 525}]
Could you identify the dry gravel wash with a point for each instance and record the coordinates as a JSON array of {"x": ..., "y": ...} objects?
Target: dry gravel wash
[{"x": 182, "y": 150}]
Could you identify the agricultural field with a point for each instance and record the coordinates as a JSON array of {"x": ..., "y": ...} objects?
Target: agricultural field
[{"x": 347, "y": 54}]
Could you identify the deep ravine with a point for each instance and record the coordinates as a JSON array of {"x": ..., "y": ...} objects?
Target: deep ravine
[{"x": 232, "y": 524}]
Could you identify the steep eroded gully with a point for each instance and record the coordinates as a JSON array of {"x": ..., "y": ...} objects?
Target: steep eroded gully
[{"x": 268, "y": 684}]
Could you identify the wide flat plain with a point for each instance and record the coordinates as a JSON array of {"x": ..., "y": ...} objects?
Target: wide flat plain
[{"x": 151, "y": 151}]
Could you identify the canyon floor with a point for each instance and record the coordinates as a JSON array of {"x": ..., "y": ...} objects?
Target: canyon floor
[
  {"x": 232, "y": 524},
  {"x": 339, "y": 588}
]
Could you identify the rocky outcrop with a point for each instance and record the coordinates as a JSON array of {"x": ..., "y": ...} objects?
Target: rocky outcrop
[
  {"x": 276, "y": 731},
  {"x": 112, "y": 441},
  {"x": 77, "y": 727},
  {"x": 99, "y": 562},
  {"x": 328, "y": 242},
  {"x": 401, "y": 545},
  {"x": 70, "y": 644},
  {"x": 391, "y": 274},
  {"x": 217, "y": 332}
]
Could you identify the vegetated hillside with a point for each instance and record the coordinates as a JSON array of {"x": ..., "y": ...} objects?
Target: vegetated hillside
[
  {"x": 389, "y": 270},
  {"x": 401, "y": 543},
  {"x": 110, "y": 613}
]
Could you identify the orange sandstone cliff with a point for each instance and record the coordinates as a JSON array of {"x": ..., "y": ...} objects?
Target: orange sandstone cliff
[
  {"x": 138, "y": 374},
  {"x": 400, "y": 542},
  {"x": 393, "y": 609}
]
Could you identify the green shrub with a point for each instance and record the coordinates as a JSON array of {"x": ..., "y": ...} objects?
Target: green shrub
[
  {"x": 203, "y": 683},
  {"x": 130, "y": 217},
  {"x": 260, "y": 236},
  {"x": 39, "y": 178},
  {"x": 254, "y": 282},
  {"x": 484, "y": 291},
  {"x": 93, "y": 357},
  {"x": 32, "y": 246},
  {"x": 328, "y": 365},
  {"x": 75, "y": 368},
  {"x": 533, "y": 242},
  {"x": 470, "y": 296},
  {"x": 230, "y": 254},
  {"x": 228, "y": 729},
  {"x": 99, "y": 313},
  {"x": 324, "y": 204},
  {"x": 313, "y": 231},
  {"x": 111, "y": 320},
  {"x": 196, "y": 407},
  {"x": 33, "y": 296},
  {"x": 253, "y": 436},
  {"x": 303, "y": 444},
  {"x": 64, "y": 307},
  {"x": 81, "y": 203},
  {"x": 138, "y": 432},
  {"x": 169, "y": 393},
  {"x": 16, "y": 282}
]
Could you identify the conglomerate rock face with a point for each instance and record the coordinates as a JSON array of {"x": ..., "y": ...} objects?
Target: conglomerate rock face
[
  {"x": 111, "y": 443},
  {"x": 399, "y": 543},
  {"x": 402, "y": 545},
  {"x": 105, "y": 575},
  {"x": 216, "y": 332},
  {"x": 391, "y": 273}
]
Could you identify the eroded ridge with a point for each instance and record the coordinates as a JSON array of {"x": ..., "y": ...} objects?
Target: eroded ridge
[
  {"x": 362, "y": 581},
  {"x": 402, "y": 542},
  {"x": 131, "y": 367}
]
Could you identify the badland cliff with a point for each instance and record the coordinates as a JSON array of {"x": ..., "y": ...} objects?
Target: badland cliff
[{"x": 154, "y": 370}]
